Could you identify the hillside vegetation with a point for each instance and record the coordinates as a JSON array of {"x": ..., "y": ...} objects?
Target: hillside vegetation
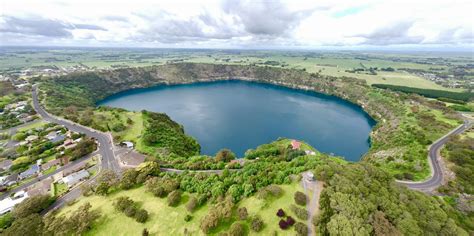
[{"x": 399, "y": 140}]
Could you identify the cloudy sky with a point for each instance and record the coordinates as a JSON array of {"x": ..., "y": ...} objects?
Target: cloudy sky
[{"x": 239, "y": 24}]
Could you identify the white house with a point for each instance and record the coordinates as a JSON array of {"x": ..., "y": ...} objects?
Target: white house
[
  {"x": 75, "y": 178},
  {"x": 7, "y": 204}
]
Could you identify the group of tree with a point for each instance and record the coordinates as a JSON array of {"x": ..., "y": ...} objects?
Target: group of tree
[{"x": 130, "y": 209}]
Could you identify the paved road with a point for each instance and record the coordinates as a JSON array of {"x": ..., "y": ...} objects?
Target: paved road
[
  {"x": 104, "y": 139},
  {"x": 105, "y": 148},
  {"x": 436, "y": 178}
]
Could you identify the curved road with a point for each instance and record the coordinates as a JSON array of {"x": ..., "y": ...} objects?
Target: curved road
[
  {"x": 105, "y": 148},
  {"x": 436, "y": 178}
]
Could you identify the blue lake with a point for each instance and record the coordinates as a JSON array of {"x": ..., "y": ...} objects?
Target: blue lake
[{"x": 241, "y": 115}]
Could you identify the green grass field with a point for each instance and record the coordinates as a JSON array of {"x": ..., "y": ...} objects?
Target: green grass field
[
  {"x": 165, "y": 220},
  {"x": 267, "y": 210},
  {"x": 33, "y": 126}
]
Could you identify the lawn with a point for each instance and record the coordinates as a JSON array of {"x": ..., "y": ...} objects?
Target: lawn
[
  {"x": 59, "y": 189},
  {"x": 164, "y": 220},
  {"x": 34, "y": 125},
  {"x": 267, "y": 210}
]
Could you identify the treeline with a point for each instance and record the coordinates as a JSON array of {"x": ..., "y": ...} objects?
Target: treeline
[
  {"x": 431, "y": 93},
  {"x": 162, "y": 132},
  {"x": 361, "y": 199}
]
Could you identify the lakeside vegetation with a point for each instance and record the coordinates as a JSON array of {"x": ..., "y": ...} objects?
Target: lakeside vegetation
[{"x": 399, "y": 140}]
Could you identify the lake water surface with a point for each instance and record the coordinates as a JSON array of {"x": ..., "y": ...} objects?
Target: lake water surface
[{"x": 240, "y": 115}]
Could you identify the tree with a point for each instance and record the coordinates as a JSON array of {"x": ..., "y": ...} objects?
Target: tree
[
  {"x": 122, "y": 203},
  {"x": 29, "y": 225},
  {"x": 280, "y": 213},
  {"x": 301, "y": 229},
  {"x": 290, "y": 221},
  {"x": 237, "y": 229},
  {"x": 141, "y": 216},
  {"x": 256, "y": 223},
  {"x": 300, "y": 198},
  {"x": 130, "y": 211},
  {"x": 106, "y": 180},
  {"x": 382, "y": 226},
  {"x": 34, "y": 204},
  {"x": 192, "y": 204},
  {"x": 129, "y": 179},
  {"x": 174, "y": 198},
  {"x": 225, "y": 155},
  {"x": 283, "y": 225},
  {"x": 242, "y": 213},
  {"x": 301, "y": 213}
]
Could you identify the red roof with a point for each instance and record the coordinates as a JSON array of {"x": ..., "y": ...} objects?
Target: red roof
[{"x": 295, "y": 144}]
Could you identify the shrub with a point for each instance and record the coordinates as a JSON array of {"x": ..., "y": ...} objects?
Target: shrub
[
  {"x": 123, "y": 203},
  {"x": 301, "y": 213},
  {"x": 141, "y": 216},
  {"x": 290, "y": 221},
  {"x": 237, "y": 229},
  {"x": 283, "y": 225},
  {"x": 301, "y": 229},
  {"x": 256, "y": 223},
  {"x": 270, "y": 191},
  {"x": 300, "y": 198},
  {"x": 188, "y": 218},
  {"x": 281, "y": 213},
  {"x": 145, "y": 232},
  {"x": 174, "y": 198},
  {"x": 242, "y": 212},
  {"x": 192, "y": 204},
  {"x": 225, "y": 155},
  {"x": 130, "y": 211}
]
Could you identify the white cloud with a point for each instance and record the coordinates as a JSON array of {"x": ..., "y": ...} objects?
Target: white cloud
[{"x": 231, "y": 23}]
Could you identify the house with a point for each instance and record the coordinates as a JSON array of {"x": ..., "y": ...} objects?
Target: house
[
  {"x": 7, "y": 204},
  {"x": 295, "y": 144},
  {"x": 74, "y": 168},
  {"x": 10, "y": 180},
  {"x": 308, "y": 152},
  {"x": 40, "y": 188},
  {"x": 126, "y": 144},
  {"x": 58, "y": 139},
  {"x": 34, "y": 169},
  {"x": 50, "y": 164},
  {"x": 31, "y": 138},
  {"x": 6, "y": 164},
  {"x": 51, "y": 135},
  {"x": 75, "y": 178}
]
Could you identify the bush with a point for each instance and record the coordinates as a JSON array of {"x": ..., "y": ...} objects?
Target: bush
[
  {"x": 300, "y": 198},
  {"x": 301, "y": 229},
  {"x": 141, "y": 216},
  {"x": 130, "y": 211},
  {"x": 290, "y": 221},
  {"x": 122, "y": 203},
  {"x": 256, "y": 223},
  {"x": 225, "y": 155},
  {"x": 237, "y": 229},
  {"x": 281, "y": 213},
  {"x": 242, "y": 212},
  {"x": 270, "y": 191},
  {"x": 301, "y": 213},
  {"x": 188, "y": 218},
  {"x": 431, "y": 93},
  {"x": 31, "y": 205},
  {"x": 174, "y": 198},
  {"x": 192, "y": 204},
  {"x": 283, "y": 225}
]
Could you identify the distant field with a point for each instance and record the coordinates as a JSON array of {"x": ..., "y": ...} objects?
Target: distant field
[{"x": 326, "y": 63}]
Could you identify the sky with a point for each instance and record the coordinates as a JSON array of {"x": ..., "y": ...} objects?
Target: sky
[{"x": 247, "y": 24}]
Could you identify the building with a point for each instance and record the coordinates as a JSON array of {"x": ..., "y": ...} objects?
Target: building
[
  {"x": 7, "y": 204},
  {"x": 33, "y": 170},
  {"x": 295, "y": 144},
  {"x": 40, "y": 188},
  {"x": 10, "y": 180},
  {"x": 50, "y": 164},
  {"x": 31, "y": 138},
  {"x": 6, "y": 164},
  {"x": 58, "y": 138},
  {"x": 75, "y": 178}
]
